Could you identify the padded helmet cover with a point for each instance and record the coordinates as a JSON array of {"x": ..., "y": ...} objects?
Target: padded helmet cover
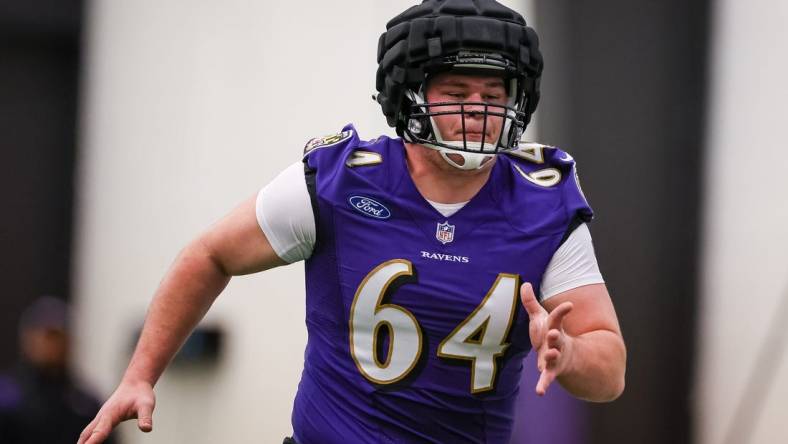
[{"x": 425, "y": 35}]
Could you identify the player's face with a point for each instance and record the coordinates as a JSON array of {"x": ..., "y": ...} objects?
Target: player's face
[{"x": 451, "y": 87}]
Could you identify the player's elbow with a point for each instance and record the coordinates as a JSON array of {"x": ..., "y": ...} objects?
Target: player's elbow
[
  {"x": 616, "y": 389},
  {"x": 616, "y": 381},
  {"x": 607, "y": 391},
  {"x": 610, "y": 374},
  {"x": 199, "y": 258}
]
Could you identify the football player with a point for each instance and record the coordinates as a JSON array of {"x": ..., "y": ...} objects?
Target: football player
[{"x": 424, "y": 253}]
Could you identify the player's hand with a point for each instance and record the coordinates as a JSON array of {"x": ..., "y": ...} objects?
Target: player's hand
[
  {"x": 130, "y": 400},
  {"x": 552, "y": 345}
]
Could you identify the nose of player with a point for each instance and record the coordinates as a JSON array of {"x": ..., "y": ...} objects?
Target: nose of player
[{"x": 478, "y": 126}]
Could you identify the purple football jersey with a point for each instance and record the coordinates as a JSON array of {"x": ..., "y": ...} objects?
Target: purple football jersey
[{"x": 416, "y": 330}]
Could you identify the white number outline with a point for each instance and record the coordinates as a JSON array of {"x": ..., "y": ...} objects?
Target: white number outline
[
  {"x": 418, "y": 353},
  {"x": 532, "y": 152},
  {"x": 483, "y": 327},
  {"x": 547, "y": 177},
  {"x": 378, "y": 308},
  {"x": 363, "y": 158}
]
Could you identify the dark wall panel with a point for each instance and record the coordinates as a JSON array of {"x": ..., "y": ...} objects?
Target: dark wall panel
[
  {"x": 39, "y": 64},
  {"x": 624, "y": 92}
]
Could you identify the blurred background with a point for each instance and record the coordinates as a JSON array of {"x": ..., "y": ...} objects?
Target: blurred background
[{"x": 128, "y": 127}]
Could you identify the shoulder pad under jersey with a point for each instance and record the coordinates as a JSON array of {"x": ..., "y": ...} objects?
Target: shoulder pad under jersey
[
  {"x": 344, "y": 149},
  {"x": 542, "y": 165},
  {"x": 550, "y": 168},
  {"x": 331, "y": 140}
]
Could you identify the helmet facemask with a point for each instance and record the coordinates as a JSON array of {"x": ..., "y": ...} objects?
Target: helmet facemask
[{"x": 421, "y": 126}]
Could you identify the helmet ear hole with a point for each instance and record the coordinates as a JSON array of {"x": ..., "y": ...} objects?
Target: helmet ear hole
[{"x": 418, "y": 126}]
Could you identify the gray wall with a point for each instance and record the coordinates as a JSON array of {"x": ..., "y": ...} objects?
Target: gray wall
[
  {"x": 742, "y": 379},
  {"x": 624, "y": 93},
  {"x": 39, "y": 68}
]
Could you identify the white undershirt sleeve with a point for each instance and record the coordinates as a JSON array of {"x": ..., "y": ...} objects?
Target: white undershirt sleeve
[
  {"x": 284, "y": 213},
  {"x": 573, "y": 265}
]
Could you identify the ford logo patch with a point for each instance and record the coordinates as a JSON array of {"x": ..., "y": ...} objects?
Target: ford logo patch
[{"x": 369, "y": 207}]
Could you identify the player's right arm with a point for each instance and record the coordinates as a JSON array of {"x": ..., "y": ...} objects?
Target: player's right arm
[{"x": 233, "y": 246}]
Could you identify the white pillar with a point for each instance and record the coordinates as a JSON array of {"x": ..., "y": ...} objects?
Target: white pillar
[{"x": 745, "y": 248}]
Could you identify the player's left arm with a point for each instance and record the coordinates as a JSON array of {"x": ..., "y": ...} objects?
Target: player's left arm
[{"x": 578, "y": 340}]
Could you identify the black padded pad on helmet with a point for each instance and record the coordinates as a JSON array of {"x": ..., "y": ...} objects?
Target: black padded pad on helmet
[
  {"x": 484, "y": 8},
  {"x": 424, "y": 34}
]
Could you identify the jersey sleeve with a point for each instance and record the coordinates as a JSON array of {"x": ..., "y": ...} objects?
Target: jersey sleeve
[
  {"x": 573, "y": 265},
  {"x": 575, "y": 200},
  {"x": 284, "y": 213}
]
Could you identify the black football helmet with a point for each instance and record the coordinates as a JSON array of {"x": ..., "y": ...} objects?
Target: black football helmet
[{"x": 479, "y": 37}]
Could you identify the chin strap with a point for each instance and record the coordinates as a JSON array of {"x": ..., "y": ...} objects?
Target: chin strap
[{"x": 472, "y": 161}]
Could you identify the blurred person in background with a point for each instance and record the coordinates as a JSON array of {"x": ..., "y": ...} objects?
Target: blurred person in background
[
  {"x": 456, "y": 223},
  {"x": 40, "y": 403}
]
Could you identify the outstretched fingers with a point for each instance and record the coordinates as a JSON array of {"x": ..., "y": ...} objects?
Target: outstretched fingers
[
  {"x": 556, "y": 317},
  {"x": 545, "y": 379},
  {"x": 145, "y": 417},
  {"x": 555, "y": 340},
  {"x": 100, "y": 431},
  {"x": 532, "y": 306},
  {"x": 87, "y": 431},
  {"x": 548, "y": 362},
  {"x": 546, "y": 335},
  {"x": 129, "y": 401},
  {"x": 553, "y": 346}
]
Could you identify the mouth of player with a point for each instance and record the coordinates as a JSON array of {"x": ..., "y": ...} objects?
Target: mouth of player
[{"x": 473, "y": 136}]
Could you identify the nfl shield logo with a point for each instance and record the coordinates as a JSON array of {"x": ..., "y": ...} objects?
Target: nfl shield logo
[{"x": 445, "y": 232}]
